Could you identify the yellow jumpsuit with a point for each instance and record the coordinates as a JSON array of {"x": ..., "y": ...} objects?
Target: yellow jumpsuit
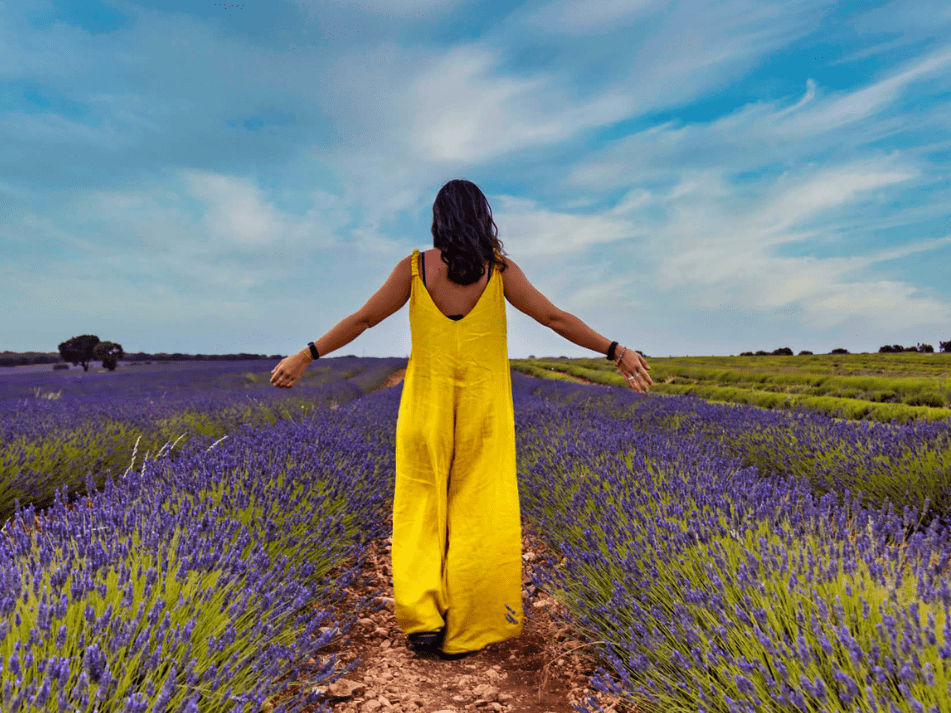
[{"x": 457, "y": 539}]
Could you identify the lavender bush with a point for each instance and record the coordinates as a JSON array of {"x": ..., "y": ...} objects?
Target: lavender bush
[
  {"x": 902, "y": 464},
  {"x": 195, "y": 581},
  {"x": 93, "y": 425},
  {"x": 710, "y": 586}
]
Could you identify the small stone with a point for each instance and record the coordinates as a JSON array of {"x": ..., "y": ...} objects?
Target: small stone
[
  {"x": 505, "y": 697},
  {"x": 344, "y": 688},
  {"x": 529, "y": 557},
  {"x": 379, "y": 631},
  {"x": 459, "y": 699},
  {"x": 386, "y": 644},
  {"x": 366, "y": 621},
  {"x": 486, "y": 692},
  {"x": 388, "y": 602},
  {"x": 540, "y": 603},
  {"x": 481, "y": 703},
  {"x": 370, "y": 706},
  {"x": 384, "y": 701},
  {"x": 496, "y": 706}
]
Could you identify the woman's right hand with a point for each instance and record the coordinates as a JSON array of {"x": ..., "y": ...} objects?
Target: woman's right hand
[{"x": 633, "y": 364}]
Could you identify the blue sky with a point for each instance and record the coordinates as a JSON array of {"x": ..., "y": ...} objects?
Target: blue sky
[{"x": 689, "y": 178}]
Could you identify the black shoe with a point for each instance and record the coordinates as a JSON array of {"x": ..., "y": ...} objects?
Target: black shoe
[{"x": 426, "y": 641}]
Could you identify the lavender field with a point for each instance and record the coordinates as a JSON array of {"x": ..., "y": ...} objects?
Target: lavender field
[{"x": 719, "y": 557}]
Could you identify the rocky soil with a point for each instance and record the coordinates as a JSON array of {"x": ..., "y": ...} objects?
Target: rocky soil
[{"x": 545, "y": 670}]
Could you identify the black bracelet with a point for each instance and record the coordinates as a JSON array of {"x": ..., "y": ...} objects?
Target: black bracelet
[
  {"x": 313, "y": 350},
  {"x": 611, "y": 350}
]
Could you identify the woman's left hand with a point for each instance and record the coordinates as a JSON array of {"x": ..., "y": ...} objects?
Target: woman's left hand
[{"x": 286, "y": 374}]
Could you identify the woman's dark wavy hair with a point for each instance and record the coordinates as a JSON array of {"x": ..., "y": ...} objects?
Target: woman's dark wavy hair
[{"x": 464, "y": 231}]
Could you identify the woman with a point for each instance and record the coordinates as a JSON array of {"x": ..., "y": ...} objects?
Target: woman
[{"x": 457, "y": 576}]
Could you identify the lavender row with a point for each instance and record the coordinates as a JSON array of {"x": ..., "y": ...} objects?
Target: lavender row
[
  {"x": 708, "y": 585},
  {"x": 193, "y": 583},
  {"x": 903, "y": 465},
  {"x": 93, "y": 426},
  {"x": 32, "y": 405}
]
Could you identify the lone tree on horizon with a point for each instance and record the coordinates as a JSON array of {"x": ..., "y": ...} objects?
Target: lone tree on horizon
[
  {"x": 79, "y": 350},
  {"x": 109, "y": 353}
]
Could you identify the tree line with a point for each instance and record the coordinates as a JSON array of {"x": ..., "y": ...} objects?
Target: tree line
[
  {"x": 886, "y": 349},
  {"x": 88, "y": 347},
  {"x": 80, "y": 351}
]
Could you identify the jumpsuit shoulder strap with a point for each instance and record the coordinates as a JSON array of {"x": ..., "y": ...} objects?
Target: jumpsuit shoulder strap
[{"x": 415, "y": 263}]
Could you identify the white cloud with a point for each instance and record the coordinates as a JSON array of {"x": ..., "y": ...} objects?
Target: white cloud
[
  {"x": 727, "y": 254},
  {"x": 389, "y": 8},
  {"x": 886, "y": 304},
  {"x": 236, "y": 210},
  {"x": 761, "y": 133},
  {"x": 828, "y": 188},
  {"x": 404, "y": 115},
  {"x": 572, "y": 17},
  {"x": 544, "y": 233},
  {"x": 910, "y": 19},
  {"x": 849, "y": 107},
  {"x": 461, "y": 111}
]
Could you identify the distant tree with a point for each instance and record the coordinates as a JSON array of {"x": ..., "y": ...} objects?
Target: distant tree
[
  {"x": 945, "y": 346},
  {"x": 839, "y": 350},
  {"x": 109, "y": 353},
  {"x": 746, "y": 353},
  {"x": 925, "y": 348},
  {"x": 531, "y": 356},
  {"x": 911, "y": 349},
  {"x": 805, "y": 352},
  {"x": 78, "y": 350},
  {"x": 886, "y": 349},
  {"x": 760, "y": 352},
  {"x": 783, "y": 351}
]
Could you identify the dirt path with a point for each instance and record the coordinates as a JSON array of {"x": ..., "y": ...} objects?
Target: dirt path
[
  {"x": 541, "y": 671},
  {"x": 579, "y": 379}
]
